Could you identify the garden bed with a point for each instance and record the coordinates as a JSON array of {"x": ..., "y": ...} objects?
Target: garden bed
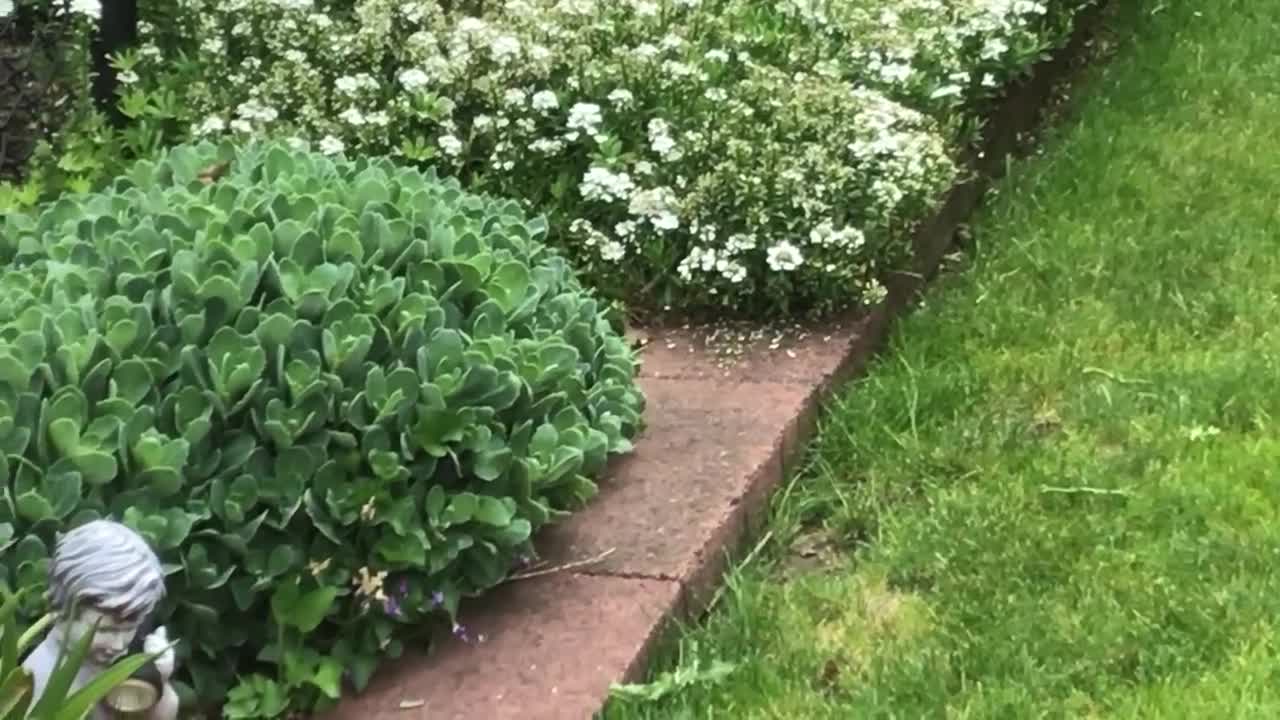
[{"x": 911, "y": 155}]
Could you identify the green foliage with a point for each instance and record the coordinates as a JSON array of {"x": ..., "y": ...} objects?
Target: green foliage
[
  {"x": 337, "y": 396},
  {"x": 57, "y": 702}
]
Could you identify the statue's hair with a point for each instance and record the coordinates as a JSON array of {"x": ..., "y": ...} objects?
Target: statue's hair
[{"x": 107, "y": 566}]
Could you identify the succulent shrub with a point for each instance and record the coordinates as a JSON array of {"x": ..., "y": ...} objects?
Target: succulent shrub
[{"x": 337, "y": 396}]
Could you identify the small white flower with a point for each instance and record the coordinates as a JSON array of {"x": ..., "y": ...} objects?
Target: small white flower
[
  {"x": 254, "y": 110},
  {"x": 545, "y": 100},
  {"x": 472, "y": 25},
  {"x": 603, "y": 184},
  {"x": 450, "y": 145},
  {"x": 211, "y": 125},
  {"x": 128, "y": 77},
  {"x": 665, "y": 220},
  {"x": 875, "y": 292},
  {"x": 660, "y": 139},
  {"x": 585, "y": 117},
  {"x": 895, "y": 72},
  {"x": 740, "y": 243},
  {"x": 663, "y": 145},
  {"x": 346, "y": 85},
  {"x": 414, "y": 79},
  {"x": 784, "y": 257},
  {"x": 546, "y": 146},
  {"x": 504, "y": 48},
  {"x": 612, "y": 251},
  {"x": 994, "y": 49},
  {"x": 621, "y": 97},
  {"x": 352, "y": 116},
  {"x": 331, "y": 145},
  {"x": 369, "y": 584},
  {"x": 657, "y": 205}
]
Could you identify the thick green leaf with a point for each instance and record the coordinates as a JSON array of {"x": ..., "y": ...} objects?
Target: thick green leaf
[
  {"x": 33, "y": 507},
  {"x": 303, "y": 611},
  {"x": 492, "y": 511}
]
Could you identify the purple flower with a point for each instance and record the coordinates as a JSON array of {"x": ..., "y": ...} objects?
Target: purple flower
[
  {"x": 437, "y": 599},
  {"x": 392, "y": 607},
  {"x": 460, "y": 632}
]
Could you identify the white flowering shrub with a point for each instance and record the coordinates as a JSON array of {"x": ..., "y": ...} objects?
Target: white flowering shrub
[{"x": 767, "y": 158}]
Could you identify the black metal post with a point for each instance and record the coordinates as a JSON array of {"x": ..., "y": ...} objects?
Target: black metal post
[{"x": 118, "y": 30}]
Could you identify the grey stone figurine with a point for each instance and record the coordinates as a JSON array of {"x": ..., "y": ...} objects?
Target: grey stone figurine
[{"x": 104, "y": 572}]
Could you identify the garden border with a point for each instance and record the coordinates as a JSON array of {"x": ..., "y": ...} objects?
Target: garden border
[{"x": 548, "y": 647}]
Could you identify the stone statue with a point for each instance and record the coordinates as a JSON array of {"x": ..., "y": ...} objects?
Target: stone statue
[{"x": 104, "y": 572}]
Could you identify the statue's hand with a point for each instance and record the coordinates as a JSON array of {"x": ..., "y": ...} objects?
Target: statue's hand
[{"x": 156, "y": 642}]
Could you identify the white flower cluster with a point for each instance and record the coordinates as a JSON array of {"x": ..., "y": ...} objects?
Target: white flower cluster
[
  {"x": 943, "y": 52},
  {"x": 693, "y": 147}
]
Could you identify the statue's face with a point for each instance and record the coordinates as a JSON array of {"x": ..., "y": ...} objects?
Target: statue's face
[{"x": 112, "y": 638}]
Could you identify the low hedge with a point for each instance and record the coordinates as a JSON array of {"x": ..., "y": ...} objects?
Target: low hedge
[
  {"x": 338, "y": 396},
  {"x": 706, "y": 157}
]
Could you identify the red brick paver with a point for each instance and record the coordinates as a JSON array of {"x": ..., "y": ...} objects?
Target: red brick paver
[{"x": 551, "y": 647}]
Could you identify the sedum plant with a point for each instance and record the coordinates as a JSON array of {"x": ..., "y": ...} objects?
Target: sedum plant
[{"x": 337, "y": 396}]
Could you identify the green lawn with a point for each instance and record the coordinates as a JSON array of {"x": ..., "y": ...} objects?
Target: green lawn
[{"x": 1058, "y": 493}]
